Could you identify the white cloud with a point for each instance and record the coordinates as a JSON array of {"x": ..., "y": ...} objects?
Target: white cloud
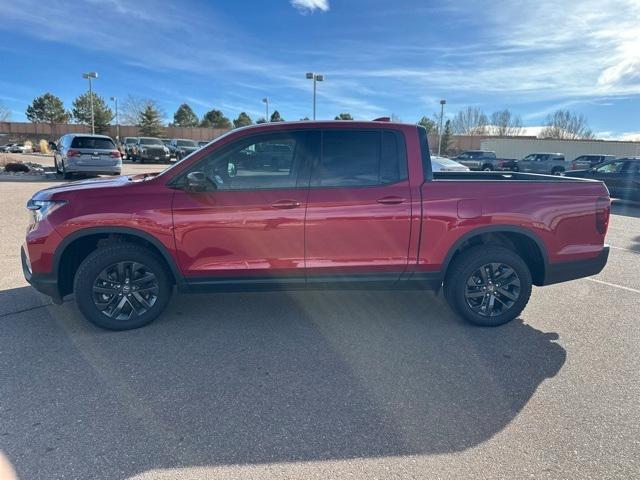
[{"x": 309, "y": 6}]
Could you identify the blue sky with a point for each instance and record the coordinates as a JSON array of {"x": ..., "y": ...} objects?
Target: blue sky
[{"x": 378, "y": 57}]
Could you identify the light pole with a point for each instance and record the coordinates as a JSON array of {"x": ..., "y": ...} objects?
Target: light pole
[
  {"x": 442, "y": 102},
  {"x": 89, "y": 76},
  {"x": 115, "y": 99},
  {"x": 316, "y": 77},
  {"x": 266, "y": 101}
]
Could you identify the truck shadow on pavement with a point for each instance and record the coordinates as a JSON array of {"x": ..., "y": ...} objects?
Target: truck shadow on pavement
[{"x": 252, "y": 378}]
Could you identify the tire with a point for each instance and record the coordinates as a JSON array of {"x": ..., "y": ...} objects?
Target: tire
[
  {"x": 487, "y": 168},
  {"x": 66, "y": 175},
  {"x": 116, "y": 286},
  {"x": 467, "y": 300},
  {"x": 55, "y": 164},
  {"x": 557, "y": 171}
]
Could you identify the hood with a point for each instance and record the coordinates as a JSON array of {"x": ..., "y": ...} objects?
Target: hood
[{"x": 58, "y": 191}]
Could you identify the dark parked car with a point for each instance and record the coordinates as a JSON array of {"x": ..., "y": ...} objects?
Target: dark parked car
[
  {"x": 182, "y": 147},
  {"x": 357, "y": 205},
  {"x": 126, "y": 147},
  {"x": 150, "y": 149},
  {"x": 621, "y": 176},
  {"x": 585, "y": 162}
]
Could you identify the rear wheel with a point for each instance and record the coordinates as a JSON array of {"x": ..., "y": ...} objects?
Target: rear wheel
[
  {"x": 488, "y": 285},
  {"x": 487, "y": 168},
  {"x": 63, "y": 170},
  {"x": 557, "y": 171},
  {"x": 122, "y": 286}
]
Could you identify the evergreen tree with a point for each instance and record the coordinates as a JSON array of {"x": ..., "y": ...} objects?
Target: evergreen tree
[
  {"x": 275, "y": 117},
  {"x": 242, "y": 121},
  {"x": 185, "y": 117},
  {"x": 150, "y": 122},
  {"x": 47, "y": 109},
  {"x": 102, "y": 114},
  {"x": 215, "y": 119},
  {"x": 344, "y": 116}
]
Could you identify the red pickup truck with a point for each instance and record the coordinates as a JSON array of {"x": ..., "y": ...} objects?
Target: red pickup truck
[{"x": 342, "y": 205}]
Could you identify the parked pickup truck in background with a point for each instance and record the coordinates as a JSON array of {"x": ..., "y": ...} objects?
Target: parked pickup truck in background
[
  {"x": 547, "y": 163},
  {"x": 352, "y": 205},
  {"x": 484, "y": 160}
]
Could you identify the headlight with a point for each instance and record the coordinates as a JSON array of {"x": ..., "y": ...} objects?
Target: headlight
[{"x": 42, "y": 208}]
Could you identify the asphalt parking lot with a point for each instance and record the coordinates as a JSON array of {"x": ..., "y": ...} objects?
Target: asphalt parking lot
[{"x": 324, "y": 384}]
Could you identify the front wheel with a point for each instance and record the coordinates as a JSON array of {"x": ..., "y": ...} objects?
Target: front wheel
[
  {"x": 488, "y": 285},
  {"x": 122, "y": 286}
]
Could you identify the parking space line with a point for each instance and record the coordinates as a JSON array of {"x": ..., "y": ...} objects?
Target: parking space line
[
  {"x": 629, "y": 289},
  {"x": 624, "y": 249}
]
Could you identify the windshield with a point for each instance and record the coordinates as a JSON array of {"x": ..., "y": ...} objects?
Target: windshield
[
  {"x": 186, "y": 143},
  {"x": 151, "y": 141},
  {"x": 130, "y": 140}
]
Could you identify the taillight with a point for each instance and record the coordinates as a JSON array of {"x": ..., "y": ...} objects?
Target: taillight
[
  {"x": 73, "y": 153},
  {"x": 603, "y": 212},
  {"x": 116, "y": 154}
]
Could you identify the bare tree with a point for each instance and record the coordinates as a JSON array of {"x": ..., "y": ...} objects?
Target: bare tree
[
  {"x": 504, "y": 123},
  {"x": 566, "y": 125},
  {"x": 470, "y": 121},
  {"x": 133, "y": 108},
  {"x": 5, "y": 113}
]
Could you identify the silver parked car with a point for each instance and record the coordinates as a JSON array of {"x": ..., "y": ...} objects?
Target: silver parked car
[
  {"x": 88, "y": 154},
  {"x": 547, "y": 163}
]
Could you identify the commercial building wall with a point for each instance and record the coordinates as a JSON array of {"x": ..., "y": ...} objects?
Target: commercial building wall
[{"x": 518, "y": 148}]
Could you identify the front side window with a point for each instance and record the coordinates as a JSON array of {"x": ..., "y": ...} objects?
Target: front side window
[
  {"x": 360, "y": 158},
  {"x": 265, "y": 161}
]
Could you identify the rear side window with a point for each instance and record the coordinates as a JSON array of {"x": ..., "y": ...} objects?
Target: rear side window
[
  {"x": 360, "y": 158},
  {"x": 93, "y": 143}
]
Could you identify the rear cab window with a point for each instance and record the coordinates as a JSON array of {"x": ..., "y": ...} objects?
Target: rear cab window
[{"x": 359, "y": 158}]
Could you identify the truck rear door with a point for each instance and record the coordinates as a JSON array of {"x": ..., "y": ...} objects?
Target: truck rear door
[{"x": 359, "y": 211}]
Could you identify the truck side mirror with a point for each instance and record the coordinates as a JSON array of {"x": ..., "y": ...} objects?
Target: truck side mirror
[{"x": 196, "y": 182}]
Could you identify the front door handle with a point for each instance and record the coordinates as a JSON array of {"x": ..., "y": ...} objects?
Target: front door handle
[
  {"x": 391, "y": 200},
  {"x": 285, "y": 204}
]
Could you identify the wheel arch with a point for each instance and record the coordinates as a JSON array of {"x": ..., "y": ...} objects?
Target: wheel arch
[
  {"x": 521, "y": 240},
  {"x": 75, "y": 248}
]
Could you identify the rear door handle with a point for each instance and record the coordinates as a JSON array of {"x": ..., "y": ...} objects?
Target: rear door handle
[
  {"x": 285, "y": 204},
  {"x": 391, "y": 200}
]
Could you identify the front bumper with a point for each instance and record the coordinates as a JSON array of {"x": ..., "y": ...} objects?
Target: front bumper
[
  {"x": 44, "y": 283},
  {"x": 565, "y": 271}
]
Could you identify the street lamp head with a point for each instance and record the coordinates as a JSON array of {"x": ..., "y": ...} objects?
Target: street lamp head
[
  {"x": 90, "y": 75},
  {"x": 113, "y": 99},
  {"x": 309, "y": 76},
  {"x": 319, "y": 78},
  {"x": 265, "y": 100},
  {"x": 443, "y": 101}
]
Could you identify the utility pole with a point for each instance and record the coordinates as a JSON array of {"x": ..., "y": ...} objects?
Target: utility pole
[
  {"x": 265, "y": 100},
  {"x": 442, "y": 102},
  {"x": 115, "y": 99},
  {"x": 316, "y": 77},
  {"x": 89, "y": 76}
]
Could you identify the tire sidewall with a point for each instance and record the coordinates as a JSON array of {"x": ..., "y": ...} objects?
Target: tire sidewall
[{"x": 103, "y": 258}]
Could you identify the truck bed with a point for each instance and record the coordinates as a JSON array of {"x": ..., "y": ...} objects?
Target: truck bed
[{"x": 504, "y": 176}]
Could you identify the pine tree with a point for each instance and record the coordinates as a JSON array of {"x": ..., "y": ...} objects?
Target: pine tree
[
  {"x": 150, "y": 122},
  {"x": 102, "y": 114},
  {"x": 47, "y": 109},
  {"x": 242, "y": 121},
  {"x": 185, "y": 117}
]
